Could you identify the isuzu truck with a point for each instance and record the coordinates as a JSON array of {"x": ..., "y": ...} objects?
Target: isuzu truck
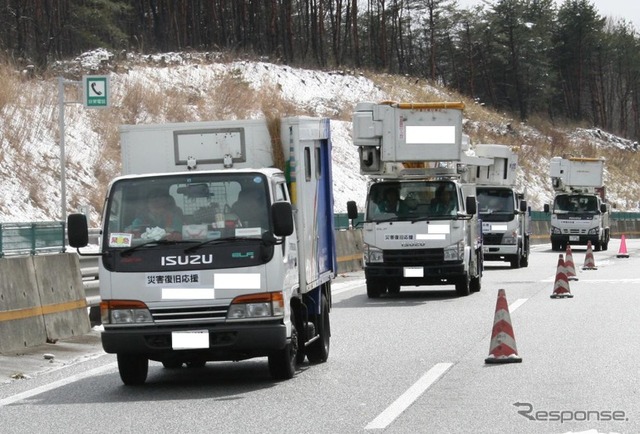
[{"x": 217, "y": 244}]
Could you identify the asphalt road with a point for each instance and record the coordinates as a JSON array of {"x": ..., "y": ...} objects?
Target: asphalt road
[{"x": 409, "y": 363}]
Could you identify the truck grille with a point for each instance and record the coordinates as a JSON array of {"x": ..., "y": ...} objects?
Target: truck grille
[
  {"x": 414, "y": 257},
  {"x": 574, "y": 231},
  {"x": 189, "y": 314},
  {"x": 492, "y": 239}
]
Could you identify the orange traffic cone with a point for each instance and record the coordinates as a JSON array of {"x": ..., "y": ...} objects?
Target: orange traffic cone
[
  {"x": 570, "y": 269},
  {"x": 561, "y": 286},
  {"x": 622, "y": 253},
  {"x": 589, "y": 261},
  {"x": 503, "y": 342}
]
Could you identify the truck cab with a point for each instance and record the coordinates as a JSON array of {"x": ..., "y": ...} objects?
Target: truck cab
[{"x": 420, "y": 225}]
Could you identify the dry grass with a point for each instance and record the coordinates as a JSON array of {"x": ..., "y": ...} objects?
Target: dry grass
[{"x": 230, "y": 97}]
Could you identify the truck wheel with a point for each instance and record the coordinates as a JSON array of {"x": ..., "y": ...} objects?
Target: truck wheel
[
  {"x": 463, "y": 287},
  {"x": 282, "y": 363},
  {"x": 133, "y": 369},
  {"x": 597, "y": 247},
  {"x": 374, "y": 289},
  {"x": 318, "y": 351},
  {"x": 515, "y": 260},
  {"x": 524, "y": 261},
  {"x": 476, "y": 283},
  {"x": 605, "y": 245},
  {"x": 555, "y": 246}
]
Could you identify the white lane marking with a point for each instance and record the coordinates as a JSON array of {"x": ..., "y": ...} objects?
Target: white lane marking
[
  {"x": 347, "y": 286},
  {"x": 56, "y": 384},
  {"x": 516, "y": 304},
  {"x": 407, "y": 398}
]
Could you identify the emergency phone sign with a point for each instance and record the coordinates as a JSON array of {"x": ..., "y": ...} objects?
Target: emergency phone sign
[{"x": 96, "y": 91}]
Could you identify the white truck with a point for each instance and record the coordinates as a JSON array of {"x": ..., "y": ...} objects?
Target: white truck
[
  {"x": 420, "y": 223},
  {"x": 237, "y": 260},
  {"x": 502, "y": 209},
  {"x": 579, "y": 213}
]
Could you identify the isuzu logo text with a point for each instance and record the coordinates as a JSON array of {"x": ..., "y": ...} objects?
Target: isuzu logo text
[{"x": 166, "y": 261}]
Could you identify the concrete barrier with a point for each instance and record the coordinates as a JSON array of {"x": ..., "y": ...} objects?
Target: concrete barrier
[
  {"x": 62, "y": 295},
  {"x": 41, "y": 299},
  {"x": 349, "y": 250},
  {"x": 21, "y": 320}
]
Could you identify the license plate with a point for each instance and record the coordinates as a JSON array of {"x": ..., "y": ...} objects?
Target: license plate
[
  {"x": 190, "y": 340},
  {"x": 413, "y": 272},
  {"x": 574, "y": 238}
]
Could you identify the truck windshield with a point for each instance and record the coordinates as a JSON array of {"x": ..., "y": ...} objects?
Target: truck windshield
[
  {"x": 186, "y": 208},
  {"x": 495, "y": 203},
  {"x": 575, "y": 203},
  {"x": 410, "y": 200}
]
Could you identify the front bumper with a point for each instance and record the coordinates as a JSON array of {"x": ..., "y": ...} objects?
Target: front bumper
[
  {"x": 404, "y": 274},
  {"x": 225, "y": 342},
  {"x": 582, "y": 240}
]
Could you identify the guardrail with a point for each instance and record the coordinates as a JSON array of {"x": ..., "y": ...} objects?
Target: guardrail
[{"x": 32, "y": 238}]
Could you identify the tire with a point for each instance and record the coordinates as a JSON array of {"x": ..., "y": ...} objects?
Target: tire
[
  {"x": 318, "y": 351},
  {"x": 555, "y": 246},
  {"x": 597, "y": 247},
  {"x": 133, "y": 369},
  {"x": 524, "y": 261},
  {"x": 283, "y": 363},
  {"x": 463, "y": 286},
  {"x": 374, "y": 289},
  {"x": 515, "y": 261},
  {"x": 476, "y": 284}
]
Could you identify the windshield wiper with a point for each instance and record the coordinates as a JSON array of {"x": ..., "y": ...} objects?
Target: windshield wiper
[
  {"x": 152, "y": 243},
  {"x": 267, "y": 239}
]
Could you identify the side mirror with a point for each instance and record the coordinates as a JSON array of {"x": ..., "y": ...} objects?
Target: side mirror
[
  {"x": 523, "y": 206},
  {"x": 352, "y": 210},
  {"x": 77, "y": 230},
  {"x": 472, "y": 205},
  {"x": 282, "y": 216},
  {"x": 546, "y": 207},
  {"x": 603, "y": 207}
]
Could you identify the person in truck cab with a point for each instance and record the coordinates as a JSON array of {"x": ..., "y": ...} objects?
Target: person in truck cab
[
  {"x": 444, "y": 203},
  {"x": 161, "y": 211},
  {"x": 251, "y": 208}
]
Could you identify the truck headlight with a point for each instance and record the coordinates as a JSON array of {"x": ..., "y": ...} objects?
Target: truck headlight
[
  {"x": 263, "y": 305},
  {"x": 372, "y": 254},
  {"x": 510, "y": 239},
  {"x": 454, "y": 252},
  {"x": 555, "y": 230},
  {"x": 594, "y": 231},
  {"x": 125, "y": 312}
]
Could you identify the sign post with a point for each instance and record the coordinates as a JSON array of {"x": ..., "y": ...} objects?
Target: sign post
[{"x": 96, "y": 91}]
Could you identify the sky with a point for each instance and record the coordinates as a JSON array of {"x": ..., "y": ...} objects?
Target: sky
[{"x": 627, "y": 9}]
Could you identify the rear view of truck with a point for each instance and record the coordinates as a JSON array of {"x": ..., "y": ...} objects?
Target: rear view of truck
[{"x": 210, "y": 253}]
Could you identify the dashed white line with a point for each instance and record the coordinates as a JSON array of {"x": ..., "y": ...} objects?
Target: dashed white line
[
  {"x": 409, "y": 397},
  {"x": 516, "y": 304}
]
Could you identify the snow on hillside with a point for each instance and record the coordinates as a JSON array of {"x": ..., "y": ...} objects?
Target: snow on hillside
[{"x": 29, "y": 169}]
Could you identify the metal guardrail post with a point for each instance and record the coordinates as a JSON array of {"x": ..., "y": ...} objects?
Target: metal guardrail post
[{"x": 33, "y": 238}]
